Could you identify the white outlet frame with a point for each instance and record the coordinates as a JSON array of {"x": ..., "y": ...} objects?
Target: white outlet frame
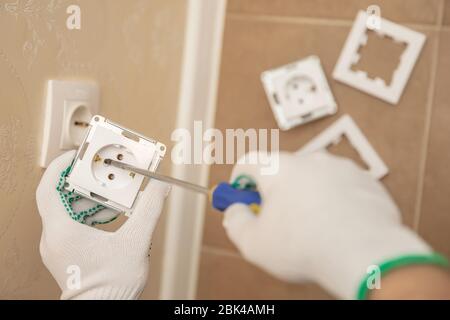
[
  {"x": 59, "y": 93},
  {"x": 347, "y": 127},
  {"x": 377, "y": 87},
  {"x": 102, "y": 133}
]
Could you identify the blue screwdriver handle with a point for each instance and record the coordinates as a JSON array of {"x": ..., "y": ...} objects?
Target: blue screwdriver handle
[{"x": 224, "y": 195}]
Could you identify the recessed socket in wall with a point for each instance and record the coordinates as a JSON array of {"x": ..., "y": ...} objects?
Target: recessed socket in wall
[
  {"x": 69, "y": 108},
  {"x": 75, "y": 123}
]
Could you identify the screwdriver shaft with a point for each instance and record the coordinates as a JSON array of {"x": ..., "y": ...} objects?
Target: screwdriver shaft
[{"x": 157, "y": 176}]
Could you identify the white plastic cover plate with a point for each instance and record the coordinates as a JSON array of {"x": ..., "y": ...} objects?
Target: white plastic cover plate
[
  {"x": 113, "y": 187},
  {"x": 377, "y": 87},
  {"x": 298, "y": 93},
  {"x": 346, "y": 126}
]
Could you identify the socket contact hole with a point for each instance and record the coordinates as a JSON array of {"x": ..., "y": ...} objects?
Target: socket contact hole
[
  {"x": 107, "y": 175},
  {"x": 120, "y": 157}
]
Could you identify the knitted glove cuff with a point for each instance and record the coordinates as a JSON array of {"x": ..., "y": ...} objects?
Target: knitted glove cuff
[{"x": 105, "y": 293}]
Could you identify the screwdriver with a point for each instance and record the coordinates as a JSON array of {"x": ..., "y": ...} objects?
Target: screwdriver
[{"x": 221, "y": 196}]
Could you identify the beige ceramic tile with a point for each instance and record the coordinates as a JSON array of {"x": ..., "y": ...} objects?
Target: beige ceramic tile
[
  {"x": 446, "y": 20},
  {"x": 229, "y": 277},
  {"x": 410, "y": 11},
  {"x": 396, "y": 132},
  {"x": 435, "y": 215}
]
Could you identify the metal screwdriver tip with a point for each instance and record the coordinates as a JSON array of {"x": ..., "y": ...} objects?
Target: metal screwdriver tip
[{"x": 107, "y": 161}]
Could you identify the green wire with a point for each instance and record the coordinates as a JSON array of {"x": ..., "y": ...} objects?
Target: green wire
[
  {"x": 243, "y": 182},
  {"x": 68, "y": 198}
]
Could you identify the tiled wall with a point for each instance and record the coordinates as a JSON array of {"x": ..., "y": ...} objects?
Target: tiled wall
[
  {"x": 412, "y": 137},
  {"x": 132, "y": 49}
]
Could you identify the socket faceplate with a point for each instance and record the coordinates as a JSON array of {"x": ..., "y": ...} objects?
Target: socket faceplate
[
  {"x": 298, "y": 92},
  {"x": 116, "y": 188}
]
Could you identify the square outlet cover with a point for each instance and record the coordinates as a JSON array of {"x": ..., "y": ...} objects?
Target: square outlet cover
[
  {"x": 113, "y": 187},
  {"x": 298, "y": 92}
]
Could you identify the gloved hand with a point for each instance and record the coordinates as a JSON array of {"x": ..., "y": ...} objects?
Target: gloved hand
[
  {"x": 322, "y": 219},
  {"x": 110, "y": 265}
]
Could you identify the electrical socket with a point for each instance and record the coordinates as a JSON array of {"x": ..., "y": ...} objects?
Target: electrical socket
[
  {"x": 77, "y": 115},
  {"x": 69, "y": 108},
  {"x": 113, "y": 187},
  {"x": 110, "y": 176},
  {"x": 298, "y": 92}
]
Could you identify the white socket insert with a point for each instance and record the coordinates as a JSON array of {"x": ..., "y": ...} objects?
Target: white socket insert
[
  {"x": 68, "y": 110},
  {"x": 298, "y": 92},
  {"x": 113, "y": 187}
]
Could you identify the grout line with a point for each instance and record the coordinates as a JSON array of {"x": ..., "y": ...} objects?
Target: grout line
[
  {"x": 320, "y": 21},
  {"x": 220, "y": 251},
  {"x": 293, "y": 20},
  {"x": 422, "y": 27},
  {"x": 426, "y": 135}
]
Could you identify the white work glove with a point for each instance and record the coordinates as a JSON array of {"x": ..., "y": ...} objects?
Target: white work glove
[
  {"x": 322, "y": 219},
  {"x": 111, "y": 265}
]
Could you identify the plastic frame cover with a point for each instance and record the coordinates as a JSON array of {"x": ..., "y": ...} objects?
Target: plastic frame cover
[
  {"x": 346, "y": 126},
  {"x": 377, "y": 87},
  {"x": 113, "y": 187}
]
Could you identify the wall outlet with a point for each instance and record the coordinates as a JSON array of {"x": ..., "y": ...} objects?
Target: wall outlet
[
  {"x": 92, "y": 178},
  {"x": 298, "y": 92},
  {"x": 69, "y": 107}
]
